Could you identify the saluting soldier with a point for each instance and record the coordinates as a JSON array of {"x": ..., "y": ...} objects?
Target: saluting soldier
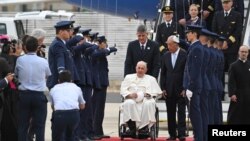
[
  {"x": 167, "y": 28},
  {"x": 228, "y": 23},
  {"x": 100, "y": 84},
  {"x": 60, "y": 58}
]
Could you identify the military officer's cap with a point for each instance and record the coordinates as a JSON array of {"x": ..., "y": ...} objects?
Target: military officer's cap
[
  {"x": 101, "y": 39},
  {"x": 64, "y": 25},
  {"x": 196, "y": 28},
  {"x": 85, "y": 32},
  {"x": 76, "y": 29},
  {"x": 167, "y": 9},
  {"x": 93, "y": 35},
  {"x": 205, "y": 32},
  {"x": 225, "y": 1}
]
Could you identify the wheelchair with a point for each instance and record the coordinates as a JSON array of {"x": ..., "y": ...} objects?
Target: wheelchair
[{"x": 153, "y": 131}]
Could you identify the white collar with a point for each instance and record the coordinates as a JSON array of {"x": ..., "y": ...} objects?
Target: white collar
[
  {"x": 228, "y": 12},
  {"x": 170, "y": 22}
]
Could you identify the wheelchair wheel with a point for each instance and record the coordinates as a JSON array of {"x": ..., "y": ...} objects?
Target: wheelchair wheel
[
  {"x": 157, "y": 122},
  {"x": 153, "y": 133},
  {"x": 121, "y": 128}
]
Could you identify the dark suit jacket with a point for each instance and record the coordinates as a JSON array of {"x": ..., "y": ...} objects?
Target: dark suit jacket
[
  {"x": 151, "y": 56},
  {"x": 172, "y": 78},
  {"x": 4, "y": 70},
  {"x": 3, "y": 83},
  {"x": 231, "y": 26}
]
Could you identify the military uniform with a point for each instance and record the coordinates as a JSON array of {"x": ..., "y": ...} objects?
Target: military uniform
[
  {"x": 230, "y": 27},
  {"x": 193, "y": 82},
  {"x": 60, "y": 57},
  {"x": 167, "y": 29}
]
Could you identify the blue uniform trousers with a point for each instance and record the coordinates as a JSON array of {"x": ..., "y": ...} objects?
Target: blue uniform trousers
[
  {"x": 199, "y": 115},
  {"x": 85, "y": 128},
  {"x": 98, "y": 99},
  {"x": 32, "y": 104}
]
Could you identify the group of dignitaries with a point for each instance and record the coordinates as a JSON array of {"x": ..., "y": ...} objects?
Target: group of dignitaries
[
  {"x": 76, "y": 74},
  {"x": 197, "y": 43}
]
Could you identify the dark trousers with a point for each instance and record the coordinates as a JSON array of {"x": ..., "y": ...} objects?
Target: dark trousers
[
  {"x": 218, "y": 116},
  {"x": 172, "y": 103},
  {"x": 32, "y": 104},
  {"x": 85, "y": 128},
  {"x": 199, "y": 115},
  {"x": 98, "y": 99},
  {"x": 64, "y": 124}
]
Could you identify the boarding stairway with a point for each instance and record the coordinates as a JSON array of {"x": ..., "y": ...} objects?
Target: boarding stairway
[{"x": 225, "y": 103}]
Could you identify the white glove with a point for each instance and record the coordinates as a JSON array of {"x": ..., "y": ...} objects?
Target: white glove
[{"x": 189, "y": 94}]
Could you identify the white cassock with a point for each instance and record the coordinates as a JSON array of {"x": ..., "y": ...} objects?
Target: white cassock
[{"x": 143, "y": 112}]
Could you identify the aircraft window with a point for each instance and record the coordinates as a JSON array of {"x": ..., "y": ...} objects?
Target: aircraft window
[
  {"x": 3, "y": 29},
  {"x": 20, "y": 30}
]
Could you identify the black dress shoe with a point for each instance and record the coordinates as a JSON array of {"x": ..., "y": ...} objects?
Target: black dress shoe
[
  {"x": 182, "y": 138},
  {"x": 105, "y": 136},
  {"x": 95, "y": 138},
  {"x": 171, "y": 139}
]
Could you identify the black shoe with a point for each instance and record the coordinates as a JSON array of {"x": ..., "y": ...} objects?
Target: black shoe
[
  {"x": 86, "y": 139},
  {"x": 143, "y": 133},
  {"x": 171, "y": 139},
  {"x": 129, "y": 133},
  {"x": 104, "y": 136},
  {"x": 95, "y": 138},
  {"x": 182, "y": 138}
]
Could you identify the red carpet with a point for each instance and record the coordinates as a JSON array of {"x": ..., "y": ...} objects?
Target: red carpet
[{"x": 129, "y": 139}]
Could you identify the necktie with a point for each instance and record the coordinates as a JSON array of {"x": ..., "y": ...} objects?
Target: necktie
[
  {"x": 142, "y": 48},
  {"x": 168, "y": 24},
  {"x": 226, "y": 14},
  {"x": 173, "y": 59}
]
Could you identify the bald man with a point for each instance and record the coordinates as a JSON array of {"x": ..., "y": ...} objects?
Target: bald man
[{"x": 239, "y": 89}]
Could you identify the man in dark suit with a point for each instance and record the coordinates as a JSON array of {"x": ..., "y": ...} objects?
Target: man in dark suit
[
  {"x": 167, "y": 28},
  {"x": 172, "y": 70},
  {"x": 228, "y": 23},
  {"x": 145, "y": 50}
]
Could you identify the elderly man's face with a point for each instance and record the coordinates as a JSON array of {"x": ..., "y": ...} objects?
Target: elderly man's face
[
  {"x": 141, "y": 70},
  {"x": 243, "y": 53},
  {"x": 172, "y": 46}
]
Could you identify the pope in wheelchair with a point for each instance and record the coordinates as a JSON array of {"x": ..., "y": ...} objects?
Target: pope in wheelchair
[{"x": 139, "y": 107}]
